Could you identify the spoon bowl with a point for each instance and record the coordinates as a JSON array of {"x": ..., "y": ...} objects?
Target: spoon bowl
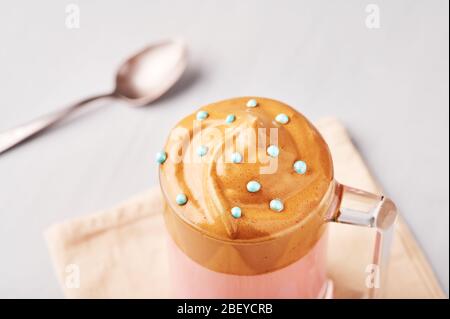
[{"x": 152, "y": 72}]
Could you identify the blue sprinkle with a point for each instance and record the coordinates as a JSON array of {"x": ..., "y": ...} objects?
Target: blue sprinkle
[
  {"x": 201, "y": 115},
  {"x": 236, "y": 158},
  {"x": 276, "y": 205},
  {"x": 202, "y": 150},
  {"x": 273, "y": 150},
  {"x": 236, "y": 212},
  {"x": 230, "y": 118},
  {"x": 300, "y": 167},
  {"x": 252, "y": 103},
  {"x": 161, "y": 157},
  {"x": 253, "y": 186},
  {"x": 181, "y": 199},
  {"x": 282, "y": 118}
]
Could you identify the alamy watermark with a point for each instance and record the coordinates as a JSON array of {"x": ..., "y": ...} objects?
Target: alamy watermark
[
  {"x": 221, "y": 144},
  {"x": 72, "y": 277},
  {"x": 373, "y": 276},
  {"x": 373, "y": 16},
  {"x": 72, "y": 16}
]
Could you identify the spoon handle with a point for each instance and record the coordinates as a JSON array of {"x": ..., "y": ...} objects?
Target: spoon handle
[{"x": 21, "y": 133}]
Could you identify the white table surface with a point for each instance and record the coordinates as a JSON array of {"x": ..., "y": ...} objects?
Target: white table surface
[{"x": 388, "y": 85}]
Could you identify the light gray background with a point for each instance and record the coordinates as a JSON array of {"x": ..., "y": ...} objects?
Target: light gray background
[{"x": 389, "y": 86}]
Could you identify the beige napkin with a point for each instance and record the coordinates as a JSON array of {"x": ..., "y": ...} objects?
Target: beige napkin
[{"x": 121, "y": 252}]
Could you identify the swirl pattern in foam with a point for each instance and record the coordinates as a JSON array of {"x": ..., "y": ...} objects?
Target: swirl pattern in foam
[{"x": 214, "y": 183}]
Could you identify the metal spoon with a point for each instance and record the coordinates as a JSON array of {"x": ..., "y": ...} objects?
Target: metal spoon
[{"x": 142, "y": 79}]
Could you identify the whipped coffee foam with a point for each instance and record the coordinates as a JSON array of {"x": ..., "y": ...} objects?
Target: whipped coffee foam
[
  {"x": 214, "y": 183},
  {"x": 255, "y": 177}
]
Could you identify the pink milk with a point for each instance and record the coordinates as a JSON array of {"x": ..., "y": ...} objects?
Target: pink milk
[{"x": 305, "y": 278}]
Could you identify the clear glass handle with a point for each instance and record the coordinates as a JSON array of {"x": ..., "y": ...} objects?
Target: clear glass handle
[{"x": 365, "y": 209}]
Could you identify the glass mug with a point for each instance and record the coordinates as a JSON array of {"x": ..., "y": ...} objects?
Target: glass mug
[{"x": 289, "y": 259}]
